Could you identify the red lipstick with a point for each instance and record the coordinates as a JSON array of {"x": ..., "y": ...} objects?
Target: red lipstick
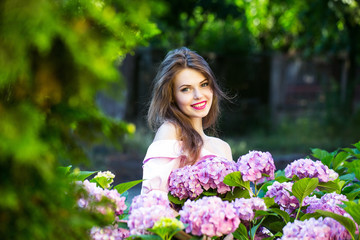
[{"x": 199, "y": 105}]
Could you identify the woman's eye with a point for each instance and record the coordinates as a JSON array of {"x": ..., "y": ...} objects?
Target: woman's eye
[
  {"x": 205, "y": 84},
  {"x": 185, "y": 89}
]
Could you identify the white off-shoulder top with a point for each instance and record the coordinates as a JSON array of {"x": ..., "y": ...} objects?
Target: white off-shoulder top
[{"x": 161, "y": 158}]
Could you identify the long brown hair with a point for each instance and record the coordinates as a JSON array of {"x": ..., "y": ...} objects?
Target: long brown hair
[{"x": 163, "y": 107}]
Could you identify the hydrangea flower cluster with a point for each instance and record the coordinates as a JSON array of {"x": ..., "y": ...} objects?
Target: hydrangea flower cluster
[
  {"x": 209, "y": 216},
  {"x": 184, "y": 184},
  {"x": 307, "y": 168},
  {"x": 108, "y": 175},
  {"x": 211, "y": 172},
  {"x": 254, "y": 164},
  {"x": 245, "y": 207},
  {"x": 170, "y": 223},
  {"x": 96, "y": 194},
  {"x": 308, "y": 229},
  {"x": 280, "y": 193},
  {"x": 328, "y": 202},
  {"x": 146, "y": 210},
  {"x": 191, "y": 181},
  {"x": 107, "y": 233}
]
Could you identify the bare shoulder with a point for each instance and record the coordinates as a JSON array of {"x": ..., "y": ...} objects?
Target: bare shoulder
[
  {"x": 221, "y": 147},
  {"x": 167, "y": 131}
]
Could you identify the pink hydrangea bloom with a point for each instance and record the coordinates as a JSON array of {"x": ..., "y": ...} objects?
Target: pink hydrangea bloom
[
  {"x": 107, "y": 233},
  {"x": 209, "y": 216},
  {"x": 308, "y": 229},
  {"x": 146, "y": 210},
  {"x": 96, "y": 193},
  {"x": 245, "y": 207},
  {"x": 280, "y": 193},
  {"x": 208, "y": 173},
  {"x": 254, "y": 164},
  {"x": 307, "y": 168},
  {"x": 211, "y": 172},
  {"x": 184, "y": 184},
  {"x": 330, "y": 202}
]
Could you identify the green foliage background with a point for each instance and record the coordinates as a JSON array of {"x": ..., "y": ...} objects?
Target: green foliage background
[{"x": 54, "y": 57}]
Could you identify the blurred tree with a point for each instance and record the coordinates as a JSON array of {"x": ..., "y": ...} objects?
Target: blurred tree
[
  {"x": 311, "y": 28},
  {"x": 54, "y": 57},
  {"x": 215, "y": 26}
]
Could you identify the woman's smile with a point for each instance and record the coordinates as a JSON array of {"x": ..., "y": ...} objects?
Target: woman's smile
[{"x": 200, "y": 105}]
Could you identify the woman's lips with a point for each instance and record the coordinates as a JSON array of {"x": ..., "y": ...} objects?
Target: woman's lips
[{"x": 199, "y": 106}]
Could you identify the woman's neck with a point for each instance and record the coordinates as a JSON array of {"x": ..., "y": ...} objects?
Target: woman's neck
[{"x": 197, "y": 124}]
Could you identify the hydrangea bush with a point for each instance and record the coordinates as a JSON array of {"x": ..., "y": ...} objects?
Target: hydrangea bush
[{"x": 247, "y": 199}]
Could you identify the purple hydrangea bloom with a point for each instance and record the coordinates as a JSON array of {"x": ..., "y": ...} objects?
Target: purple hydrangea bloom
[
  {"x": 96, "y": 193},
  {"x": 150, "y": 199},
  {"x": 245, "y": 207},
  {"x": 262, "y": 233},
  {"x": 338, "y": 231},
  {"x": 280, "y": 193},
  {"x": 330, "y": 202},
  {"x": 209, "y": 216},
  {"x": 107, "y": 233},
  {"x": 146, "y": 210},
  {"x": 307, "y": 168},
  {"x": 183, "y": 183},
  {"x": 209, "y": 172},
  {"x": 254, "y": 164},
  {"x": 308, "y": 229}
]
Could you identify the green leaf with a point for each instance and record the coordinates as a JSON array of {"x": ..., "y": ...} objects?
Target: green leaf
[
  {"x": 122, "y": 187},
  {"x": 209, "y": 193},
  {"x": 254, "y": 229},
  {"x": 357, "y": 145},
  {"x": 122, "y": 225},
  {"x": 234, "y": 179},
  {"x": 353, "y": 167},
  {"x": 278, "y": 235},
  {"x": 331, "y": 186},
  {"x": 346, "y": 222},
  {"x": 64, "y": 170},
  {"x": 282, "y": 213},
  {"x": 145, "y": 237},
  {"x": 241, "y": 233},
  {"x": 274, "y": 223},
  {"x": 354, "y": 210},
  {"x": 353, "y": 194},
  {"x": 304, "y": 187},
  {"x": 269, "y": 202},
  {"x": 309, "y": 215},
  {"x": 282, "y": 179},
  {"x": 348, "y": 177},
  {"x": 176, "y": 200},
  {"x": 101, "y": 182},
  {"x": 339, "y": 159},
  {"x": 81, "y": 175},
  {"x": 260, "y": 213},
  {"x": 237, "y": 193},
  {"x": 324, "y": 156}
]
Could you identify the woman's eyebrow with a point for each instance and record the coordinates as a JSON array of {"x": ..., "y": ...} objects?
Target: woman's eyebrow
[{"x": 184, "y": 85}]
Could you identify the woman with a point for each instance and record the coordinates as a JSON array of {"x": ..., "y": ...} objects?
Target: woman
[{"x": 184, "y": 103}]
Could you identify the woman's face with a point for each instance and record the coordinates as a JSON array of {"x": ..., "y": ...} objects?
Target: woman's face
[{"x": 193, "y": 94}]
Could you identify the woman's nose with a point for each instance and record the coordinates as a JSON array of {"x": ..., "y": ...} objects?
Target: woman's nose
[{"x": 197, "y": 94}]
